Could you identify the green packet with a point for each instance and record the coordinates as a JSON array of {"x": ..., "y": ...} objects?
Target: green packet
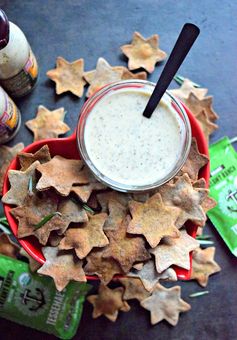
[
  {"x": 223, "y": 188},
  {"x": 33, "y": 301}
]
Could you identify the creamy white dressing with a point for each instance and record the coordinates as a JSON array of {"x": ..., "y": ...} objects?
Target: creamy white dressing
[{"x": 129, "y": 148}]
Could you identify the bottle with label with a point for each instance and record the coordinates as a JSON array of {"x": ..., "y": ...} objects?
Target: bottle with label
[
  {"x": 18, "y": 66},
  {"x": 10, "y": 117}
]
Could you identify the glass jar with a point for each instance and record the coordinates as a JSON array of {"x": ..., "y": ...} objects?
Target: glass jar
[
  {"x": 133, "y": 142},
  {"x": 18, "y": 65}
]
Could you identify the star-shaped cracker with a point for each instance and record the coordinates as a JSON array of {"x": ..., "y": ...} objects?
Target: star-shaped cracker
[
  {"x": 7, "y": 247},
  {"x": 196, "y": 105},
  {"x": 34, "y": 209},
  {"x": 48, "y": 124},
  {"x": 153, "y": 219},
  {"x": 108, "y": 302},
  {"x": 174, "y": 251},
  {"x": 72, "y": 212},
  {"x": 26, "y": 159},
  {"x": 103, "y": 75},
  {"x": 83, "y": 192},
  {"x": 61, "y": 173},
  {"x": 62, "y": 267},
  {"x": 143, "y": 52},
  {"x": 117, "y": 213},
  {"x": 187, "y": 87},
  {"x": 105, "y": 269},
  {"x": 194, "y": 162},
  {"x": 182, "y": 195},
  {"x": 68, "y": 76},
  {"x": 83, "y": 239},
  {"x": 134, "y": 289},
  {"x": 6, "y": 156},
  {"x": 203, "y": 265},
  {"x": 19, "y": 181},
  {"x": 124, "y": 248},
  {"x": 150, "y": 277},
  {"x": 107, "y": 196},
  {"x": 165, "y": 304},
  {"x": 208, "y": 127}
]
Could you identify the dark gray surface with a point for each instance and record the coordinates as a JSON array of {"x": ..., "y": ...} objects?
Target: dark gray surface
[{"x": 92, "y": 29}]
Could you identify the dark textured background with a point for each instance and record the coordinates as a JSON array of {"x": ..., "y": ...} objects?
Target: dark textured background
[{"x": 91, "y": 29}]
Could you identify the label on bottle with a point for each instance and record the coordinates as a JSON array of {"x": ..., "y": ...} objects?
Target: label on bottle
[
  {"x": 23, "y": 82},
  {"x": 9, "y": 120}
]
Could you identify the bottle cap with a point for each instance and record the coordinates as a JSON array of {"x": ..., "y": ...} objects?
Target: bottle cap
[{"x": 4, "y": 29}]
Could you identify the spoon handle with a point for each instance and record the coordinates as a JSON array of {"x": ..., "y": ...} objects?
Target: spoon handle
[{"x": 187, "y": 37}]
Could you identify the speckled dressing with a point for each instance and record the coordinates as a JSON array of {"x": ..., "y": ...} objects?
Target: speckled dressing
[{"x": 129, "y": 148}]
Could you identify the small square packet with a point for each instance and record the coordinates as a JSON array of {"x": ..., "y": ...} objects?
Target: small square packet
[{"x": 223, "y": 188}]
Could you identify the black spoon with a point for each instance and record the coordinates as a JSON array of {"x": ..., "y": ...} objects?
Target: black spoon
[{"x": 183, "y": 45}]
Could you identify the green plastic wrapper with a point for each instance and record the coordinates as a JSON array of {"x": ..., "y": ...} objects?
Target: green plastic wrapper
[
  {"x": 33, "y": 301},
  {"x": 223, "y": 188}
]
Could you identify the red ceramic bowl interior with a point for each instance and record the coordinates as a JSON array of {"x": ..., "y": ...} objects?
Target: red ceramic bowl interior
[{"x": 67, "y": 147}]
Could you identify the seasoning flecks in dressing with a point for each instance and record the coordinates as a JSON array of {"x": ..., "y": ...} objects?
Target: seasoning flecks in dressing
[{"x": 127, "y": 147}]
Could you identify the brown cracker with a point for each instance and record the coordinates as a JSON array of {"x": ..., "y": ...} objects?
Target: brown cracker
[
  {"x": 143, "y": 52},
  {"x": 108, "y": 302},
  {"x": 165, "y": 304},
  {"x": 88, "y": 236},
  {"x": 62, "y": 267},
  {"x": 68, "y": 76},
  {"x": 153, "y": 219},
  {"x": 26, "y": 159},
  {"x": 48, "y": 124}
]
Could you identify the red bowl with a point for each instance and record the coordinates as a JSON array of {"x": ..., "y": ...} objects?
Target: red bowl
[{"x": 67, "y": 147}]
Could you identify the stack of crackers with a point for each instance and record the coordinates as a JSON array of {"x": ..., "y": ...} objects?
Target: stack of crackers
[{"x": 88, "y": 229}]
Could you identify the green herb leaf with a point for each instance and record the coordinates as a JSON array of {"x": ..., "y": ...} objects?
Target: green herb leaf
[
  {"x": 87, "y": 208},
  {"x": 46, "y": 219},
  {"x": 203, "y": 237},
  {"x": 204, "y": 242},
  {"x": 83, "y": 205},
  {"x": 179, "y": 79},
  {"x": 199, "y": 294}
]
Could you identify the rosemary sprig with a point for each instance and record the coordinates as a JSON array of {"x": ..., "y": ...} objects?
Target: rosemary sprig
[
  {"x": 83, "y": 205},
  {"x": 46, "y": 219},
  {"x": 203, "y": 237},
  {"x": 204, "y": 242},
  {"x": 199, "y": 294},
  {"x": 87, "y": 208},
  {"x": 179, "y": 79}
]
